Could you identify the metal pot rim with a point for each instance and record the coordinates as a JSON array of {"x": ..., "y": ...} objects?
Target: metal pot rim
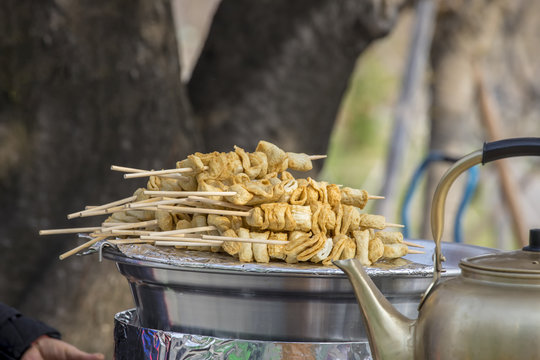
[{"x": 414, "y": 265}]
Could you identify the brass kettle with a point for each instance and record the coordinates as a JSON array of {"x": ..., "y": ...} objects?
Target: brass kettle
[{"x": 490, "y": 311}]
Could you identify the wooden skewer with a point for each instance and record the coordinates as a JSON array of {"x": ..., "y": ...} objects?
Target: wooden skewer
[
  {"x": 145, "y": 202},
  {"x": 189, "y": 193},
  {"x": 130, "y": 241},
  {"x": 160, "y": 172},
  {"x": 195, "y": 203},
  {"x": 111, "y": 223},
  {"x": 117, "y": 209},
  {"x": 155, "y": 201},
  {"x": 145, "y": 174},
  {"x": 185, "y": 243},
  {"x": 394, "y": 225},
  {"x": 69, "y": 231},
  {"x": 408, "y": 243},
  {"x": 185, "y": 231},
  {"x": 170, "y": 176},
  {"x": 124, "y": 226},
  {"x": 220, "y": 203},
  {"x": 410, "y": 251},
  {"x": 131, "y": 232},
  {"x": 167, "y": 171},
  {"x": 106, "y": 211},
  {"x": 178, "y": 237},
  {"x": 99, "y": 229},
  {"x": 125, "y": 169},
  {"x": 181, "y": 238},
  {"x": 375, "y": 197},
  {"x": 133, "y": 170},
  {"x": 317, "y": 157},
  {"x": 104, "y": 206},
  {"x": 248, "y": 240},
  {"x": 195, "y": 210},
  {"x": 103, "y": 237},
  {"x": 82, "y": 247},
  {"x": 121, "y": 208}
]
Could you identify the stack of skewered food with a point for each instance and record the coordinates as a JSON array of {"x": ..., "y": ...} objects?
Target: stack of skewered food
[{"x": 249, "y": 206}]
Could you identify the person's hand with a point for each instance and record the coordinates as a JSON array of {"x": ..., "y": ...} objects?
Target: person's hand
[{"x": 47, "y": 348}]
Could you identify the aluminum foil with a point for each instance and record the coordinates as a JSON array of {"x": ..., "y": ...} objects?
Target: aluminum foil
[
  {"x": 135, "y": 342},
  {"x": 416, "y": 265}
]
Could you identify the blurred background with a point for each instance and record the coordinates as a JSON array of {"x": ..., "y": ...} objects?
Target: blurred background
[{"x": 377, "y": 85}]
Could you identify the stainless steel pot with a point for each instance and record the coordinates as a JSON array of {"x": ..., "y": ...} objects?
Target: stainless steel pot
[{"x": 212, "y": 294}]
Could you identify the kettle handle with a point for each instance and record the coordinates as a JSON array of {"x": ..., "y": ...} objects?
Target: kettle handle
[{"x": 491, "y": 151}]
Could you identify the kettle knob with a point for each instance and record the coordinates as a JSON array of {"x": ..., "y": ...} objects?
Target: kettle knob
[{"x": 534, "y": 241}]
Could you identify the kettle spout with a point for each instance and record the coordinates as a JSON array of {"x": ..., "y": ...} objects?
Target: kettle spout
[{"x": 390, "y": 333}]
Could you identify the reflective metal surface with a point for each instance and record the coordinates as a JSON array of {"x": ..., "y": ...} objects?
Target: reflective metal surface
[
  {"x": 437, "y": 210},
  {"x": 214, "y": 295},
  {"x": 135, "y": 342},
  {"x": 489, "y": 312},
  {"x": 481, "y": 315},
  {"x": 390, "y": 334}
]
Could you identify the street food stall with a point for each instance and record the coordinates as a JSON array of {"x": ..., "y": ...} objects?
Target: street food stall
[{"x": 230, "y": 256}]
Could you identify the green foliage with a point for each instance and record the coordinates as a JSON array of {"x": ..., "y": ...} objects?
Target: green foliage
[{"x": 360, "y": 135}]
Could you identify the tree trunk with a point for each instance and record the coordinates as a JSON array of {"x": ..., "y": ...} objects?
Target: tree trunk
[
  {"x": 277, "y": 70},
  {"x": 455, "y": 130},
  {"x": 500, "y": 39},
  {"x": 83, "y": 85}
]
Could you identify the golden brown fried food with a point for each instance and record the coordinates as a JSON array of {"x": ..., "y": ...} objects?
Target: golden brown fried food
[
  {"x": 298, "y": 242},
  {"x": 260, "y": 251},
  {"x": 198, "y": 220},
  {"x": 324, "y": 252},
  {"x": 372, "y": 221},
  {"x": 245, "y": 254},
  {"x": 376, "y": 249},
  {"x": 277, "y": 158},
  {"x": 318, "y": 243},
  {"x": 339, "y": 243},
  {"x": 164, "y": 220},
  {"x": 354, "y": 197},
  {"x": 299, "y": 161},
  {"x": 188, "y": 183},
  {"x": 322, "y": 222},
  {"x": 327, "y": 219},
  {"x": 277, "y": 251},
  {"x": 394, "y": 251},
  {"x": 362, "y": 246},
  {"x": 299, "y": 195},
  {"x": 222, "y": 223},
  {"x": 334, "y": 195},
  {"x": 242, "y": 196},
  {"x": 259, "y": 165},
  {"x": 389, "y": 237},
  {"x": 349, "y": 250},
  {"x": 231, "y": 247},
  {"x": 280, "y": 217}
]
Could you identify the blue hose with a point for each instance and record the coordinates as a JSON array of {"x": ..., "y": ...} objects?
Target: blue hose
[
  {"x": 470, "y": 188},
  {"x": 472, "y": 181}
]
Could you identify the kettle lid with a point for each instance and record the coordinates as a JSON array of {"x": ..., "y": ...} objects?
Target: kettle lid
[{"x": 525, "y": 261}]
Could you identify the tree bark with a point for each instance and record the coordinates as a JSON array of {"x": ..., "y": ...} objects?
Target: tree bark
[
  {"x": 455, "y": 130},
  {"x": 277, "y": 70},
  {"x": 83, "y": 85},
  {"x": 87, "y": 84},
  {"x": 499, "y": 38}
]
